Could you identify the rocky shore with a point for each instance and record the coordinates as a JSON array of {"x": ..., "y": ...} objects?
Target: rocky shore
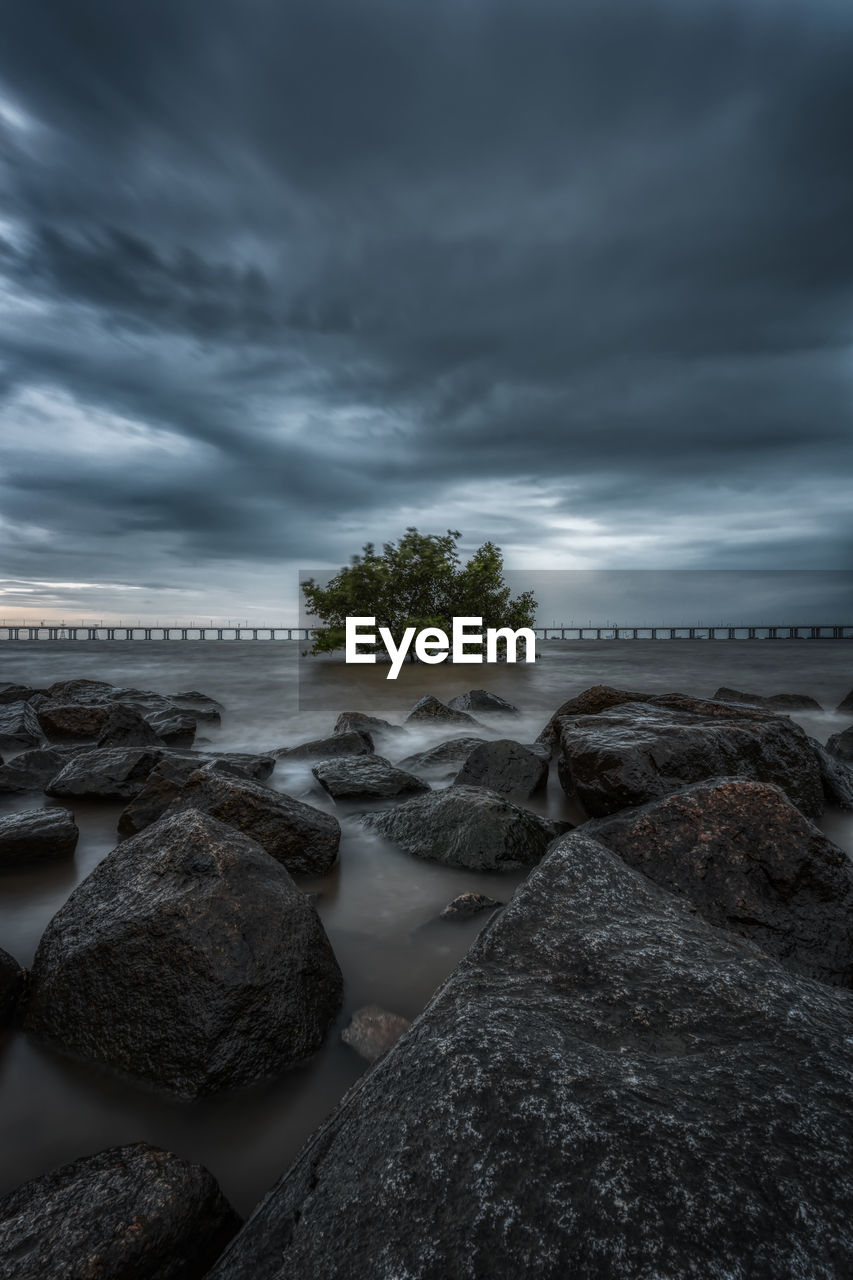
[{"x": 642, "y": 1067}]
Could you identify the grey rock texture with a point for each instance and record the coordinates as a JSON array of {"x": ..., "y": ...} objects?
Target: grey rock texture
[
  {"x": 482, "y": 700},
  {"x": 12, "y": 978},
  {"x": 773, "y": 701},
  {"x": 19, "y": 727},
  {"x": 432, "y": 711},
  {"x": 606, "y": 1087},
  {"x": 841, "y": 744},
  {"x": 836, "y": 777},
  {"x": 37, "y": 835},
  {"x": 105, "y": 773},
  {"x": 189, "y": 959},
  {"x": 124, "y": 726},
  {"x": 368, "y": 777},
  {"x": 505, "y": 766},
  {"x": 71, "y": 721},
  {"x": 16, "y": 693},
  {"x": 372, "y": 1031},
  {"x": 442, "y": 757},
  {"x": 466, "y": 827},
  {"x": 361, "y": 722},
  {"x": 32, "y": 770},
  {"x": 337, "y": 744},
  {"x": 165, "y": 782},
  {"x": 845, "y": 706},
  {"x": 176, "y": 728},
  {"x": 129, "y": 1213},
  {"x": 91, "y": 692},
  {"x": 467, "y": 905}
]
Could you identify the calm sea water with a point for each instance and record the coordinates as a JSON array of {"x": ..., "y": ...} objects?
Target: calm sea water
[{"x": 379, "y": 906}]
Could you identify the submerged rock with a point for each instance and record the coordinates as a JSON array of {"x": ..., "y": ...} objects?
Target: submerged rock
[
  {"x": 749, "y": 861},
  {"x": 12, "y": 979},
  {"x": 467, "y": 905},
  {"x": 773, "y": 701},
  {"x": 841, "y": 744},
  {"x": 372, "y": 1031},
  {"x": 19, "y": 727},
  {"x": 105, "y": 773},
  {"x": 128, "y": 1213},
  {"x": 466, "y": 827},
  {"x": 338, "y": 744},
  {"x": 505, "y": 766},
  {"x": 365, "y": 777},
  {"x": 836, "y": 777},
  {"x": 37, "y": 835},
  {"x": 606, "y": 1086},
  {"x": 188, "y": 958},
  {"x": 482, "y": 700},
  {"x": 432, "y": 710},
  {"x": 33, "y": 769}
]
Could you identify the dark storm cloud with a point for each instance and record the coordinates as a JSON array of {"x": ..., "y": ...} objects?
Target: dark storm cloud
[{"x": 280, "y": 278}]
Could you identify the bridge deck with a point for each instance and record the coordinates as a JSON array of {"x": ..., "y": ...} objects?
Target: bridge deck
[{"x": 63, "y": 631}]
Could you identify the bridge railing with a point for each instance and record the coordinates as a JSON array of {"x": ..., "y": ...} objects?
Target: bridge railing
[{"x": 64, "y": 631}]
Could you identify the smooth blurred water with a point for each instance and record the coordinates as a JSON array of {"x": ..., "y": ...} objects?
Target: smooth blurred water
[{"x": 379, "y": 906}]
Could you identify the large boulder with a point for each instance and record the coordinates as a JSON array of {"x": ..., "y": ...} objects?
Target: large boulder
[
  {"x": 505, "y": 766},
  {"x": 841, "y": 744},
  {"x": 368, "y": 777},
  {"x": 166, "y": 780},
  {"x": 640, "y": 751},
  {"x": 32, "y": 770},
  {"x": 188, "y": 958},
  {"x": 124, "y": 726},
  {"x": 10, "y": 692},
  {"x": 773, "y": 701},
  {"x": 605, "y": 1087},
  {"x": 37, "y": 835},
  {"x": 466, "y": 827},
  {"x": 430, "y": 710},
  {"x": 12, "y": 978},
  {"x": 749, "y": 861},
  {"x": 129, "y": 1213},
  {"x": 836, "y": 777},
  {"x": 337, "y": 744},
  {"x": 175, "y": 727},
  {"x": 482, "y": 700},
  {"x": 19, "y": 727},
  {"x": 302, "y": 838},
  {"x": 105, "y": 773},
  {"x": 72, "y": 721},
  {"x": 91, "y": 692}
]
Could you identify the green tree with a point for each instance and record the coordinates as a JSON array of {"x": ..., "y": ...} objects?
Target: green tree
[{"x": 416, "y": 582}]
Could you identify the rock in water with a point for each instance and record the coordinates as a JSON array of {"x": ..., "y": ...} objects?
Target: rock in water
[
  {"x": 845, "y": 706},
  {"x": 467, "y": 905},
  {"x": 372, "y": 1031},
  {"x": 19, "y": 727},
  {"x": 32, "y": 770},
  {"x": 302, "y": 838},
  {"x": 773, "y": 701},
  {"x": 360, "y": 722},
  {"x": 432, "y": 711},
  {"x": 365, "y": 777},
  {"x": 188, "y": 958},
  {"x": 166, "y": 780},
  {"x": 466, "y": 827},
  {"x": 749, "y": 861},
  {"x": 11, "y": 987},
  {"x": 16, "y": 693},
  {"x": 84, "y": 692},
  {"x": 442, "y": 756},
  {"x": 126, "y": 727},
  {"x": 841, "y": 744},
  {"x": 37, "y": 835},
  {"x": 338, "y": 744},
  {"x": 62, "y": 722},
  {"x": 605, "y": 1087},
  {"x": 505, "y": 766},
  {"x": 836, "y": 777},
  {"x": 482, "y": 700},
  {"x": 105, "y": 773},
  {"x": 125, "y": 1214}
]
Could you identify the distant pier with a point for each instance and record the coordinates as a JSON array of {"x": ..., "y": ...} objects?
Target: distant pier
[{"x": 86, "y": 631}]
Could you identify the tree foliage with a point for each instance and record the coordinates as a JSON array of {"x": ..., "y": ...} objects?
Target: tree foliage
[{"x": 418, "y": 582}]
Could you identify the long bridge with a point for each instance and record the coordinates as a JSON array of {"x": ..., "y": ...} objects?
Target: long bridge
[{"x": 193, "y": 631}]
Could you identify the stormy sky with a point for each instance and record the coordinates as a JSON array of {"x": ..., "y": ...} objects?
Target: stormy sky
[{"x": 277, "y": 278}]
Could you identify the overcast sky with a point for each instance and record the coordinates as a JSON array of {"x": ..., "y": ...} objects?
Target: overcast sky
[{"x": 279, "y": 278}]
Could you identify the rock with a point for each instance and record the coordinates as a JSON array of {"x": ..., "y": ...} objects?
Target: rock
[
  {"x": 841, "y": 744},
  {"x": 835, "y": 776},
  {"x": 605, "y": 1087},
  {"x": 360, "y": 722},
  {"x": 467, "y": 905},
  {"x": 338, "y": 744},
  {"x": 64, "y": 721},
  {"x": 466, "y": 827},
  {"x": 749, "y": 861},
  {"x": 637, "y": 752},
  {"x": 12, "y": 978},
  {"x": 188, "y": 958},
  {"x": 443, "y": 754},
  {"x": 37, "y": 835},
  {"x": 16, "y": 693},
  {"x": 365, "y": 777},
  {"x": 845, "y": 706},
  {"x": 773, "y": 701},
  {"x": 165, "y": 782},
  {"x": 206, "y": 710},
  {"x": 33, "y": 769},
  {"x": 504, "y": 766},
  {"x": 91, "y": 692},
  {"x": 124, "y": 726},
  {"x": 175, "y": 728},
  {"x": 431, "y": 710},
  {"x": 19, "y": 727},
  {"x": 302, "y": 838},
  {"x": 482, "y": 700},
  {"x": 372, "y": 1031},
  {"x": 242, "y": 764},
  {"x": 105, "y": 773},
  {"x": 123, "y": 1214}
]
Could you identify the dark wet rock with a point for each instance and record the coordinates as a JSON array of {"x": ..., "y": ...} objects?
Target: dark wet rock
[
  {"x": 845, "y": 706},
  {"x": 482, "y": 700},
  {"x": 466, "y": 827},
  {"x": 16, "y": 693},
  {"x": 836, "y": 777},
  {"x": 442, "y": 756},
  {"x": 773, "y": 701},
  {"x": 12, "y": 978},
  {"x": 637, "y": 752},
  {"x": 205, "y": 709},
  {"x": 605, "y": 1087},
  {"x": 175, "y": 728},
  {"x": 360, "y": 722},
  {"x": 19, "y": 727},
  {"x": 91, "y": 692},
  {"x": 37, "y": 835},
  {"x": 166, "y": 780},
  {"x": 242, "y": 763},
  {"x": 338, "y": 744},
  {"x": 749, "y": 861},
  {"x": 467, "y": 905},
  {"x": 505, "y": 766},
  {"x": 129, "y": 1213},
  {"x": 432, "y": 711},
  {"x": 841, "y": 744},
  {"x": 69, "y": 721},
  {"x": 124, "y": 726},
  {"x": 302, "y": 838},
  {"x": 365, "y": 777},
  {"x": 105, "y": 773},
  {"x": 372, "y": 1031},
  {"x": 33, "y": 769},
  {"x": 188, "y": 958}
]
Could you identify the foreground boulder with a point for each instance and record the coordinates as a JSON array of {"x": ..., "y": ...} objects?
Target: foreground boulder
[
  {"x": 19, "y": 727},
  {"x": 605, "y": 1087},
  {"x": 300, "y": 837},
  {"x": 841, "y": 744},
  {"x": 32, "y": 770},
  {"x": 11, "y": 987},
  {"x": 368, "y": 777},
  {"x": 432, "y": 710},
  {"x": 773, "y": 701},
  {"x": 749, "y": 861},
  {"x": 372, "y": 1031},
  {"x": 37, "y": 835},
  {"x": 105, "y": 773},
  {"x": 337, "y": 744},
  {"x": 466, "y": 827},
  {"x": 505, "y": 766},
  {"x": 128, "y": 1213},
  {"x": 482, "y": 700},
  {"x": 189, "y": 959}
]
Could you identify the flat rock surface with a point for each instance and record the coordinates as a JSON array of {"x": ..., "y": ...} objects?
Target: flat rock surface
[
  {"x": 191, "y": 928},
  {"x": 37, "y": 835},
  {"x": 750, "y": 862},
  {"x": 105, "y": 773},
  {"x": 11, "y": 987},
  {"x": 466, "y": 827},
  {"x": 365, "y": 777},
  {"x": 482, "y": 700},
  {"x": 337, "y": 744},
  {"x": 432, "y": 711},
  {"x": 504, "y": 766},
  {"x": 606, "y": 1087},
  {"x": 129, "y": 1213},
  {"x": 372, "y": 1031}
]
